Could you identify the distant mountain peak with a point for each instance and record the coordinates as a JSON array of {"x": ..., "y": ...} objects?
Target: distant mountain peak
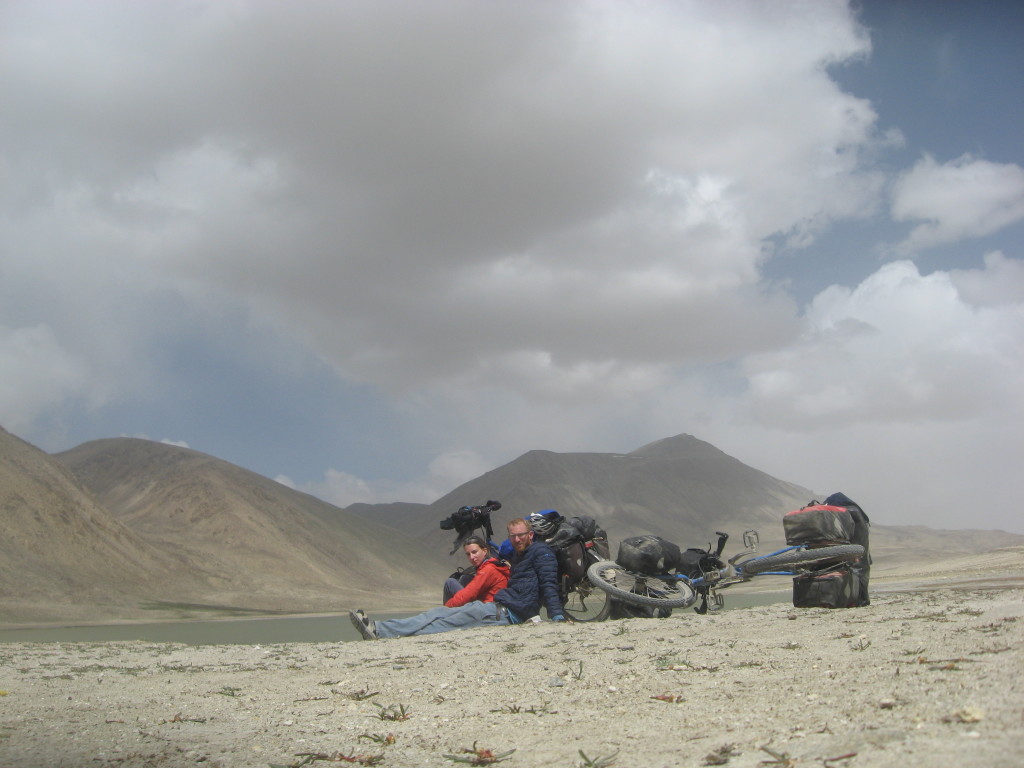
[{"x": 679, "y": 446}]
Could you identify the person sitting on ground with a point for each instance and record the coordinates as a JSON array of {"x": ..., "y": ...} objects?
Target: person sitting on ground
[
  {"x": 533, "y": 580},
  {"x": 490, "y": 575}
]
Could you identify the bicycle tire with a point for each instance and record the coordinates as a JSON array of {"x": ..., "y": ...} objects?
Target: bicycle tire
[
  {"x": 800, "y": 557},
  {"x": 638, "y": 589},
  {"x": 583, "y": 601}
]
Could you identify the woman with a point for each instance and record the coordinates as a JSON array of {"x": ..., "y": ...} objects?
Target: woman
[{"x": 490, "y": 577}]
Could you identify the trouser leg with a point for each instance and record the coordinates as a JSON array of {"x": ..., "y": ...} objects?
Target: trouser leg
[
  {"x": 441, "y": 619},
  {"x": 451, "y": 586}
]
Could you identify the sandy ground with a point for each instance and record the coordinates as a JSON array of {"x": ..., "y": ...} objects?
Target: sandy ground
[{"x": 929, "y": 677}]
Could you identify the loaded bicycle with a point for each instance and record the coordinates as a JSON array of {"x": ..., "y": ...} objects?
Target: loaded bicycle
[{"x": 651, "y": 572}]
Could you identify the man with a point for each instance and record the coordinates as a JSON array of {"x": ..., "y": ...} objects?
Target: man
[{"x": 534, "y": 580}]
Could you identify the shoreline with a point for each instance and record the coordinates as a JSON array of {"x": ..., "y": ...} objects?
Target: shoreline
[{"x": 880, "y": 584}]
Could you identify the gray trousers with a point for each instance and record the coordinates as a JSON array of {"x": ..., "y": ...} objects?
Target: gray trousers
[{"x": 441, "y": 619}]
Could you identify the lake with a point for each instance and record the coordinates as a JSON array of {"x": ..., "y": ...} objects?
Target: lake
[{"x": 257, "y": 631}]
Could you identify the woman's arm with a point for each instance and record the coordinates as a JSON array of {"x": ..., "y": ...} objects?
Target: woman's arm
[{"x": 487, "y": 577}]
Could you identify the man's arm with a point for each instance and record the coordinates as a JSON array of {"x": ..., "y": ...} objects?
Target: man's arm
[{"x": 546, "y": 565}]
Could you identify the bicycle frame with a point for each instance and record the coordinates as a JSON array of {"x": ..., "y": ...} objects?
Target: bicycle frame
[{"x": 707, "y": 586}]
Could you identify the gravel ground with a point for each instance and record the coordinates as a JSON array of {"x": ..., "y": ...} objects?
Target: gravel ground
[{"x": 920, "y": 678}]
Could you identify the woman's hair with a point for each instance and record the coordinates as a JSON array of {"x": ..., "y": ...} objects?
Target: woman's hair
[
  {"x": 475, "y": 540},
  {"x": 485, "y": 546}
]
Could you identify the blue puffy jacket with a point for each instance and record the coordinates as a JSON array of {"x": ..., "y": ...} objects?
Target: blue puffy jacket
[{"x": 534, "y": 580}]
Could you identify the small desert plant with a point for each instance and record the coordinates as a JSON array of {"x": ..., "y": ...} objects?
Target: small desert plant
[
  {"x": 479, "y": 756},
  {"x": 393, "y": 712},
  {"x": 598, "y": 762}
]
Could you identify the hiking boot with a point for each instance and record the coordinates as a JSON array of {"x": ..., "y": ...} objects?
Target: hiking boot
[{"x": 364, "y": 625}]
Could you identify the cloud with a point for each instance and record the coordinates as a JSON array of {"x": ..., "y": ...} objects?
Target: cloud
[
  {"x": 39, "y": 376},
  {"x": 178, "y": 443},
  {"x": 966, "y": 198},
  {"x": 1001, "y": 282},
  {"x": 906, "y": 390},
  {"x": 445, "y": 472},
  {"x": 414, "y": 192},
  {"x": 900, "y": 347},
  {"x": 500, "y": 226}
]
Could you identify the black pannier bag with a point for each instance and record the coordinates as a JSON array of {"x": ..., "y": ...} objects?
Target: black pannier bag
[
  {"x": 834, "y": 587},
  {"x": 818, "y": 525},
  {"x": 573, "y": 528},
  {"x": 839, "y": 520},
  {"x": 569, "y": 544},
  {"x": 861, "y": 535},
  {"x": 648, "y": 554},
  {"x": 695, "y": 562},
  {"x": 572, "y": 560}
]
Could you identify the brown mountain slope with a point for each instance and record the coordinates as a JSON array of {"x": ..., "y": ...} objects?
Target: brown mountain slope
[
  {"x": 255, "y": 542},
  {"x": 59, "y": 546}
]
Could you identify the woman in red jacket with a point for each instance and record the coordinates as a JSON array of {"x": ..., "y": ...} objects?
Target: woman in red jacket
[{"x": 490, "y": 577}]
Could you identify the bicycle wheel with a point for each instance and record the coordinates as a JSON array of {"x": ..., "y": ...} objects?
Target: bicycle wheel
[
  {"x": 800, "y": 557},
  {"x": 637, "y": 589},
  {"x": 584, "y": 602}
]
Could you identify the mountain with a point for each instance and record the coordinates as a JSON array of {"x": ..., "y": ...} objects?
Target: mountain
[
  {"x": 254, "y": 542},
  {"x": 681, "y": 488},
  {"x": 60, "y": 546}
]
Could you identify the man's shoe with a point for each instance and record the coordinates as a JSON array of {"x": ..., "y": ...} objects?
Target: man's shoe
[{"x": 364, "y": 625}]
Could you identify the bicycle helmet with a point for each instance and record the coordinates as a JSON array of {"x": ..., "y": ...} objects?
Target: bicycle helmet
[{"x": 545, "y": 522}]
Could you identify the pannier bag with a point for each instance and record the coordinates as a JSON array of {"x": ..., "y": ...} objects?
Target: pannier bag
[
  {"x": 648, "y": 554},
  {"x": 861, "y": 523},
  {"x": 840, "y": 520},
  {"x": 572, "y": 528},
  {"x": 572, "y": 561},
  {"x": 819, "y": 524},
  {"x": 695, "y": 562},
  {"x": 861, "y": 535},
  {"x": 834, "y": 587},
  {"x": 568, "y": 538}
]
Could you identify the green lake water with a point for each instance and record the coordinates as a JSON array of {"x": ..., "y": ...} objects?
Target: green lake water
[{"x": 259, "y": 631}]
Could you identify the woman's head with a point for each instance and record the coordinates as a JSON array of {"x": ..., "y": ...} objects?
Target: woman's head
[{"x": 476, "y": 550}]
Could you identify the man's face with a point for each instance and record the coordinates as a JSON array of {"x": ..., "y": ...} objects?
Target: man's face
[{"x": 521, "y": 536}]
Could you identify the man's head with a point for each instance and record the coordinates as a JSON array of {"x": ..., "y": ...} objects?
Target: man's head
[{"x": 520, "y": 534}]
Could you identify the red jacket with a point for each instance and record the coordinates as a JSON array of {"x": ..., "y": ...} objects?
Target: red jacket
[{"x": 491, "y": 576}]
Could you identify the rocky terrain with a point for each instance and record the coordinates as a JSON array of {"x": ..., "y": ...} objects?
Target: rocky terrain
[{"x": 932, "y": 676}]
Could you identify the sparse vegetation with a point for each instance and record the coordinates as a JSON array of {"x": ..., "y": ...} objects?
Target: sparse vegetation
[
  {"x": 393, "y": 712},
  {"x": 335, "y": 757},
  {"x": 479, "y": 756},
  {"x": 598, "y": 762},
  {"x": 721, "y": 755}
]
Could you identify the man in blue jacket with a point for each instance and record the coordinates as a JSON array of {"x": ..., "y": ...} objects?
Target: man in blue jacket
[{"x": 534, "y": 580}]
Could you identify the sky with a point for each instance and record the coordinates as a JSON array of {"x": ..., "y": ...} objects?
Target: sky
[{"x": 376, "y": 249}]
